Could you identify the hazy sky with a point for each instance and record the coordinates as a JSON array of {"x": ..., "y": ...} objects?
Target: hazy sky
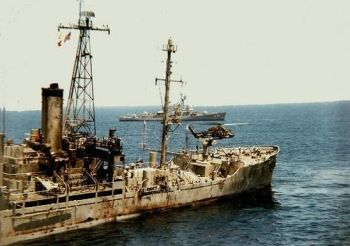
[{"x": 229, "y": 52}]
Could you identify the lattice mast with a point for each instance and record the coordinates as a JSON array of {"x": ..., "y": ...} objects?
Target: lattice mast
[
  {"x": 79, "y": 116},
  {"x": 169, "y": 48}
]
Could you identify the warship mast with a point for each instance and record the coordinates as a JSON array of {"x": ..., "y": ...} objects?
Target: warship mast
[
  {"x": 79, "y": 116},
  {"x": 169, "y": 48}
]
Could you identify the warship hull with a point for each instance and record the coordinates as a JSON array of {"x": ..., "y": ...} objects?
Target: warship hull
[
  {"x": 38, "y": 221},
  {"x": 202, "y": 117}
]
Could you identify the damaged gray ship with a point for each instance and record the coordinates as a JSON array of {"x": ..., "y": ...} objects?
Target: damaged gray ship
[{"x": 63, "y": 177}]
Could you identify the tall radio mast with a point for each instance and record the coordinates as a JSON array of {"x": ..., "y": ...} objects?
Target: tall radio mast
[
  {"x": 169, "y": 48},
  {"x": 79, "y": 116}
]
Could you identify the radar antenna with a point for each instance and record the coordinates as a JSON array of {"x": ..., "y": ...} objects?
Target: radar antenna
[{"x": 79, "y": 116}]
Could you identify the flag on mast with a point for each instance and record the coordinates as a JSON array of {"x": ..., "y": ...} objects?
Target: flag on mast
[
  {"x": 67, "y": 37},
  {"x": 62, "y": 40}
]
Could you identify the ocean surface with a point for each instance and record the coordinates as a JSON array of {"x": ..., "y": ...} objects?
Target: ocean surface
[{"x": 310, "y": 200}]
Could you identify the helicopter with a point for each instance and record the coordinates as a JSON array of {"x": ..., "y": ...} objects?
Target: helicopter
[{"x": 217, "y": 131}]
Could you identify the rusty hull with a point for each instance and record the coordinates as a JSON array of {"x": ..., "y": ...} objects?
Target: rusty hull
[{"x": 34, "y": 222}]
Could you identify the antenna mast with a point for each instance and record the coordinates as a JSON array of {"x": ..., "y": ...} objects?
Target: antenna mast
[
  {"x": 169, "y": 48},
  {"x": 79, "y": 116}
]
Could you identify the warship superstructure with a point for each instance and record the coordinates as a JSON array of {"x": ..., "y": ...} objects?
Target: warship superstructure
[{"x": 63, "y": 177}]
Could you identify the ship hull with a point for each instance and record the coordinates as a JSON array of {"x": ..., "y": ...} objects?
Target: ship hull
[
  {"x": 203, "y": 117},
  {"x": 30, "y": 223}
]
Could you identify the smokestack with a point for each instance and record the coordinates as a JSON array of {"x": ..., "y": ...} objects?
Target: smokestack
[{"x": 51, "y": 116}]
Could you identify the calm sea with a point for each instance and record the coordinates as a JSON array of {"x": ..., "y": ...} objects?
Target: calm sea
[{"x": 310, "y": 201}]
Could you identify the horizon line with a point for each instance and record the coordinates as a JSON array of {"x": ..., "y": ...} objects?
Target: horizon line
[{"x": 219, "y": 105}]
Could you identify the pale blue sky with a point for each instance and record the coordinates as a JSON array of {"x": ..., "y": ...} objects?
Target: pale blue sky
[{"x": 229, "y": 52}]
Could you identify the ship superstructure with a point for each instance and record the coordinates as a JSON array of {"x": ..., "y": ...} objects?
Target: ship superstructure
[{"x": 65, "y": 178}]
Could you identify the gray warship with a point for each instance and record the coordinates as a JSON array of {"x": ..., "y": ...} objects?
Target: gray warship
[
  {"x": 180, "y": 110},
  {"x": 63, "y": 177}
]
